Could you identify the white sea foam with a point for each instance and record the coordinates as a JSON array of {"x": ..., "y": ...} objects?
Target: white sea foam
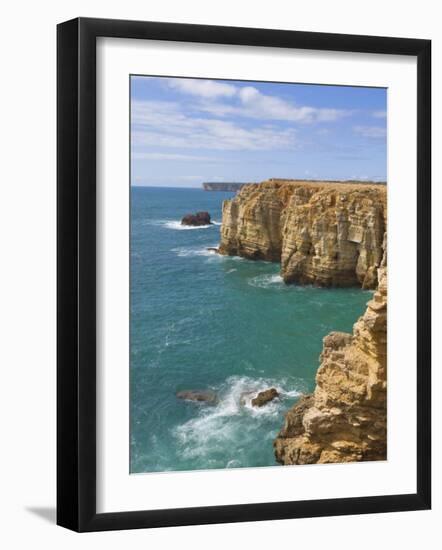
[
  {"x": 292, "y": 393},
  {"x": 267, "y": 281},
  {"x": 176, "y": 225},
  {"x": 233, "y": 420},
  {"x": 184, "y": 252},
  {"x": 208, "y": 252}
]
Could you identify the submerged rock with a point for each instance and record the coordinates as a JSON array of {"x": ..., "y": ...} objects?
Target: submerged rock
[
  {"x": 200, "y": 218},
  {"x": 264, "y": 397},
  {"x": 206, "y": 396}
]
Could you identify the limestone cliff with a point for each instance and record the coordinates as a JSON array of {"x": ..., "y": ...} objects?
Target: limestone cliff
[
  {"x": 345, "y": 419},
  {"x": 325, "y": 233},
  {"x": 329, "y": 234}
]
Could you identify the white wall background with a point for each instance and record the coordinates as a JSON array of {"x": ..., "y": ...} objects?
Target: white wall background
[{"x": 27, "y": 274}]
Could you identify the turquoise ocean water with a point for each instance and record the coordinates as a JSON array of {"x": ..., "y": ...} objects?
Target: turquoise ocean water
[{"x": 204, "y": 321}]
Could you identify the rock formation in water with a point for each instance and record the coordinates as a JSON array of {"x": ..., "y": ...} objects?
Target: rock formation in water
[
  {"x": 200, "y": 218},
  {"x": 329, "y": 234},
  {"x": 265, "y": 397},
  {"x": 345, "y": 419},
  {"x": 323, "y": 233}
]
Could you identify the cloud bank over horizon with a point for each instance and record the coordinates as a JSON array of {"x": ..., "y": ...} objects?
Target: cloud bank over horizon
[{"x": 251, "y": 131}]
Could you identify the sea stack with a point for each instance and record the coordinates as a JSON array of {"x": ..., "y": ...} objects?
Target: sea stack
[{"x": 198, "y": 219}]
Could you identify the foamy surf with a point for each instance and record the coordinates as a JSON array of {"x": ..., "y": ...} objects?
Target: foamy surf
[
  {"x": 234, "y": 423},
  {"x": 185, "y": 252},
  {"x": 267, "y": 281},
  {"x": 176, "y": 225}
]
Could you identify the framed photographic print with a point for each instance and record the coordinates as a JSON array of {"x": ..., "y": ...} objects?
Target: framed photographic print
[{"x": 234, "y": 341}]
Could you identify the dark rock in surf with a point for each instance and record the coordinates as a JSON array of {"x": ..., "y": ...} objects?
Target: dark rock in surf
[
  {"x": 198, "y": 219},
  {"x": 265, "y": 397}
]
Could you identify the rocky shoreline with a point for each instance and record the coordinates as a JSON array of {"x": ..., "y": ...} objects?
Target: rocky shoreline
[
  {"x": 328, "y": 234},
  {"x": 345, "y": 419}
]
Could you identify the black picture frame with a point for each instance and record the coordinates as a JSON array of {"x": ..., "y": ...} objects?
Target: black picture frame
[{"x": 76, "y": 273}]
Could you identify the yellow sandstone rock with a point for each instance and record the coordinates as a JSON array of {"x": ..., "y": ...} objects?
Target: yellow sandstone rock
[
  {"x": 345, "y": 419},
  {"x": 324, "y": 233},
  {"x": 329, "y": 234}
]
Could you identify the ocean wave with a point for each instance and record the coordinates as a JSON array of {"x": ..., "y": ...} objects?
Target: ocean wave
[
  {"x": 234, "y": 421},
  {"x": 176, "y": 225},
  {"x": 209, "y": 252},
  {"x": 184, "y": 252},
  {"x": 267, "y": 281}
]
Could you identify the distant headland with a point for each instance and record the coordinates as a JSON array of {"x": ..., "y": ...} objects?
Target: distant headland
[
  {"x": 236, "y": 186},
  {"x": 223, "y": 186}
]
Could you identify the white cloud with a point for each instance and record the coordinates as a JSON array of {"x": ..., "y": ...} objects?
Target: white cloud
[
  {"x": 379, "y": 114},
  {"x": 163, "y": 124},
  {"x": 254, "y": 104},
  {"x": 250, "y": 102},
  {"x": 202, "y": 88},
  {"x": 370, "y": 131}
]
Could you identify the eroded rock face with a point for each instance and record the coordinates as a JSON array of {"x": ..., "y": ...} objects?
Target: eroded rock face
[
  {"x": 329, "y": 234},
  {"x": 200, "y": 218},
  {"x": 344, "y": 420}
]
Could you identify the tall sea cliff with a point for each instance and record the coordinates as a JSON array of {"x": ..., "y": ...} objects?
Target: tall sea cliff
[
  {"x": 328, "y": 234},
  {"x": 333, "y": 235}
]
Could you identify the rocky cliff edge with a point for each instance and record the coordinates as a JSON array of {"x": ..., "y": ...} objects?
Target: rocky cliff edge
[{"x": 330, "y": 234}]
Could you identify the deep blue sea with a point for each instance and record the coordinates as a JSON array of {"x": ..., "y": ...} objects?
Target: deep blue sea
[{"x": 204, "y": 321}]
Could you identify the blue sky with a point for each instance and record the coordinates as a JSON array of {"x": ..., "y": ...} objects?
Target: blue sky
[{"x": 185, "y": 131}]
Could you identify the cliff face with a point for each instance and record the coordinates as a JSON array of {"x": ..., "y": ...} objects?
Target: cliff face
[
  {"x": 345, "y": 419},
  {"x": 329, "y": 234}
]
